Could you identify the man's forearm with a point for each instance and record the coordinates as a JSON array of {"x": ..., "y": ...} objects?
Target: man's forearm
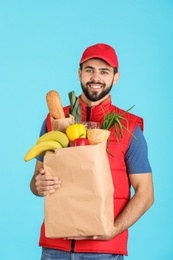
[
  {"x": 38, "y": 166},
  {"x": 33, "y": 187},
  {"x": 134, "y": 209}
]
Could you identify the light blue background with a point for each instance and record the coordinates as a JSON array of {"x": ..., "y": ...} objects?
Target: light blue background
[{"x": 41, "y": 43}]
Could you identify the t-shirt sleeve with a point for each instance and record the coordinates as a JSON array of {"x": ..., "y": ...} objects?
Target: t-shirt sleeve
[
  {"x": 42, "y": 132},
  {"x": 136, "y": 157}
]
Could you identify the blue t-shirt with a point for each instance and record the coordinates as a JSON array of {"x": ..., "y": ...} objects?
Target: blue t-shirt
[{"x": 136, "y": 157}]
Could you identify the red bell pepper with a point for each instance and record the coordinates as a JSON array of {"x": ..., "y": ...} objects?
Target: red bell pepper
[{"x": 79, "y": 142}]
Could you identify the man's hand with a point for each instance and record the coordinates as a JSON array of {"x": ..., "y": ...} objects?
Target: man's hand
[
  {"x": 106, "y": 237},
  {"x": 43, "y": 184},
  {"x": 46, "y": 184}
]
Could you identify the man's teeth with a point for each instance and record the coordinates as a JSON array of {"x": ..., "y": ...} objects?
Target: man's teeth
[{"x": 96, "y": 86}]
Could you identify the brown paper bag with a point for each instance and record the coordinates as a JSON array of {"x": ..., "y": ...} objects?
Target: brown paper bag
[
  {"x": 62, "y": 124},
  {"x": 83, "y": 206}
]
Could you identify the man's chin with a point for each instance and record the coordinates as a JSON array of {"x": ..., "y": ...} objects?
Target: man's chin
[{"x": 94, "y": 98}]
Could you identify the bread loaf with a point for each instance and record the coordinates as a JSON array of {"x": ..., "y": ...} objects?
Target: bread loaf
[{"x": 54, "y": 105}]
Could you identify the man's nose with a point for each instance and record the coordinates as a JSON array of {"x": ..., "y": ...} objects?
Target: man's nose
[{"x": 95, "y": 76}]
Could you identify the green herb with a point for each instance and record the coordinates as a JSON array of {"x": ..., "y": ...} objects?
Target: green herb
[{"x": 113, "y": 119}]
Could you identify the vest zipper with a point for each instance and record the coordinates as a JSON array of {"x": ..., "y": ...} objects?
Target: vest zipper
[
  {"x": 72, "y": 246},
  {"x": 87, "y": 119},
  {"x": 88, "y": 113}
]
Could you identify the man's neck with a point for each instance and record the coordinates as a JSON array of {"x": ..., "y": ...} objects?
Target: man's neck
[{"x": 90, "y": 103}]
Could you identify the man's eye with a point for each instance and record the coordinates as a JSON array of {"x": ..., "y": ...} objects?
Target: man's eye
[
  {"x": 104, "y": 72},
  {"x": 89, "y": 70}
]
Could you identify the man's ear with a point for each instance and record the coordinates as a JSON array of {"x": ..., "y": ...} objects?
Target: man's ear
[
  {"x": 116, "y": 77},
  {"x": 79, "y": 73}
]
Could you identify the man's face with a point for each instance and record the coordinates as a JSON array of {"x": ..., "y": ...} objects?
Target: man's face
[{"x": 97, "y": 78}]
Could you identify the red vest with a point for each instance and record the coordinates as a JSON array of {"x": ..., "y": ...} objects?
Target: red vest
[{"x": 118, "y": 245}]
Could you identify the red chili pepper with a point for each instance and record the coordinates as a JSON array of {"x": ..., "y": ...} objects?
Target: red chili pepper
[{"x": 79, "y": 142}]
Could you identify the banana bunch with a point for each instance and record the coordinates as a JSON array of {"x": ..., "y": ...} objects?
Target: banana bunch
[{"x": 47, "y": 142}]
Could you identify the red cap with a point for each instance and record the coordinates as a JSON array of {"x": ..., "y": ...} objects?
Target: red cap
[{"x": 101, "y": 51}]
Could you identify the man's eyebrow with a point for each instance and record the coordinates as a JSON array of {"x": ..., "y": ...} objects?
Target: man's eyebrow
[
  {"x": 104, "y": 69},
  {"x": 90, "y": 67}
]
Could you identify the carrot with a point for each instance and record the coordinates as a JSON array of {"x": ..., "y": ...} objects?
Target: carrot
[{"x": 54, "y": 104}]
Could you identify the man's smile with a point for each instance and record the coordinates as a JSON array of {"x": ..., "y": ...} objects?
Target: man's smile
[{"x": 95, "y": 86}]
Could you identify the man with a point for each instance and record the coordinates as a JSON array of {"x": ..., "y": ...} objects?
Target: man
[{"x": 98, "y": 72}]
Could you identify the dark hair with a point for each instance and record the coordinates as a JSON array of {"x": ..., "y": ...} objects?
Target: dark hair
[{"x": 114, "y": 68}]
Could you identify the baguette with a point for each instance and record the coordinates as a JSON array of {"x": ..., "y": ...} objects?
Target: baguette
[{"x": 54, "y": 105}]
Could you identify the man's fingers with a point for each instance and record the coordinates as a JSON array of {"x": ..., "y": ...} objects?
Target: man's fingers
[
  {"x": 49, "y": 182},
  {"x": 42, "y": 171},
  {"x": 46, "y": 184},
  {"x": 45, "y": 193}
]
